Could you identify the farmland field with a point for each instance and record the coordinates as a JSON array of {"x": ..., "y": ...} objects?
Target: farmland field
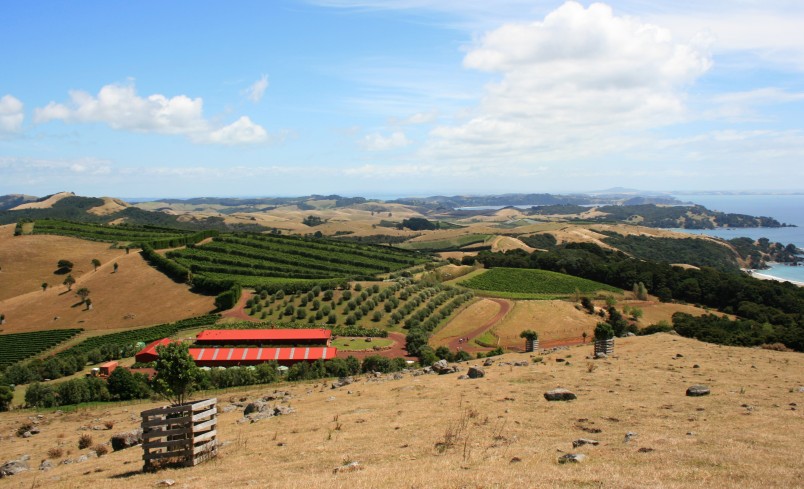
[
  {"x": 264, "y": 260},
  {"x": 19, "y": 346},
  {"x": 447, "y": 244},
  {"x": 516, "y": 282},
  {"x": 114, "y": 234}
]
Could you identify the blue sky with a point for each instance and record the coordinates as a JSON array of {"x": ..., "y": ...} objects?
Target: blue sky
[{"x": 400, "y": 97}]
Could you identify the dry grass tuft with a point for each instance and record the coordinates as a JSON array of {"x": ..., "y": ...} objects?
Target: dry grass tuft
[{"x": 85, "y": 441}]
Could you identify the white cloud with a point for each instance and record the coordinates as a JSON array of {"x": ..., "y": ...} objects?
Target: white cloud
[
  {"x": 256, "y": 91},
  {"x": 572, "y": 85},
  {"x": 11, "y": 114},
  {"x": 415, "y": 119},
  {"x": 242, "y": 131},
  {"x": 121, "y": 108},
  {"x": 378, "y": 142}
]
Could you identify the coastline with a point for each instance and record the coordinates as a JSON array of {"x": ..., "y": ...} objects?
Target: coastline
[{"x": 764, "y": 276}]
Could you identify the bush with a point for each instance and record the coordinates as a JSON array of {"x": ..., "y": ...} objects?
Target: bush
[
  {"x": 85, "y": 441},
  {"x": 604, "y": 331}
]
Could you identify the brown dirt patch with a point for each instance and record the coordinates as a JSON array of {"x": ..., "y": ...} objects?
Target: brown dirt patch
[
  {"x": 555, "y": 321},
  {"x": 137, "y": 295}
]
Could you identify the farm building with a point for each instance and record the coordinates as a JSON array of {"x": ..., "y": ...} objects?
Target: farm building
[
  {"x": 275, "y": 337},
  {"x": 148, "y": 354},
  {"x": 284, "y": 346}
]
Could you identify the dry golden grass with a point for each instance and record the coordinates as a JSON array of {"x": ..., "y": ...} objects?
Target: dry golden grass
[
  {"x": 468, "y": 319},
  {"x": 27, "y": 261},
  {"x": 394, "y": 429},
  {"x": 137, "y": 295},
  {"x": 45, "y": 204},
  {"x": 110, "y": 206},
  {"x": 553, "y": 320},
  {"x": 653, "y": 312},
  {"x": 507, "y": 243}
]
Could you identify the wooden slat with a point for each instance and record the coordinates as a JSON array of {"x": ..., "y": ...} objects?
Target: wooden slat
[
  {"x": 158, "y": 455},
  {"x": 204, "y": 448},
  {"x": 205, "y": 414},
  {"x": 205, "y": 437},
  {"x": 165, "y": 410},
  {"x": 163, "y": 433},
  {"x": 166, "y": 422},
  {"x": 167, "y": 443},
  {"x": 202, "y": 404},
  {"x": 205, "y": 425}
]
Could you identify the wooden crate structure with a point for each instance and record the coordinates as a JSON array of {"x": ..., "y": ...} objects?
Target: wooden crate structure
[
  {"x": 604, "y": 346},
  {"x": 183, "y": 435},
  {"x": 531, "y": 345}
]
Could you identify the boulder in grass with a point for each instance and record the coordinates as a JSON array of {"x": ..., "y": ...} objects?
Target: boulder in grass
[
  {"x": 571, "y": 458},
  {"x": 559, "y": 395},
  {"x": 128, "y": 439},
  {"x": 698, "y": 390},
  {"x": 476, "y": 372},
  {"x": 13, "y": 467}
]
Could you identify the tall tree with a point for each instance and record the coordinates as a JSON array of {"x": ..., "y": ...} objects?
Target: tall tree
[
  {"x": 176, "y": 372},
  {"x": 83, "y": 293},
  {"x": 69, "y": 282},
  {"x": 96, "y": 263}
]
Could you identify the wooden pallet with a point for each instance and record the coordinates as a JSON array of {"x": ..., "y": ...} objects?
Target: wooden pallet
[{"x": 183, "y": 435}]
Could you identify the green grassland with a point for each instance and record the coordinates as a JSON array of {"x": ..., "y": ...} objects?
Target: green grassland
[
  {"x": 446, "y": 244},
  {"x": 521, "y": 283}
]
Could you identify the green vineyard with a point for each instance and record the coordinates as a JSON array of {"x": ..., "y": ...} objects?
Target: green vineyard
[
  {"x": 253, "y": 260},
  {"x": 123, "y": 235},
  {"x": 16, "y": 347},
  {"x": 524, "y": 281},
  {"x": 142, "y": 335}
]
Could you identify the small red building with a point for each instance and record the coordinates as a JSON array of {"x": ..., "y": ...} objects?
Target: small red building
[
  {"x": 106, "y": 369},
  {"x": 277, "y": 337},
  {"x": 148, "y": 354}
]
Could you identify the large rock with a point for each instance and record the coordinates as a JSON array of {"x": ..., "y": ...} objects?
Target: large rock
[
  {"x": 488, "y": 362},
  {"x": 255, "y": 407},
  {"x": 698, "y": 390},
  {"x": 13, "y": 467},
  {"x": 128, "y": 439},
  {"x": 559, "y": 395},
  {"x": 571, "y": 458},
  {"x": 584, "y": 441},
  {"x": 476, "y": 372},
  {"x": 342, "y": 382},
  {"x": 441, "y": 367}
]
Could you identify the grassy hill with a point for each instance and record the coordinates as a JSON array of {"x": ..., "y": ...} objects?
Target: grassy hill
[
  {"x": 499, "y": 431},
  {"x": 529, "y": 283}
]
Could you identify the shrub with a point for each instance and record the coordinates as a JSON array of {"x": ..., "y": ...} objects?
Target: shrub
[
  {"x": 55, "y": 452},
  {"x": 100, "y": 449},
  {"x": 85, "y": 441},
  {"x": 604, "y": 331}
]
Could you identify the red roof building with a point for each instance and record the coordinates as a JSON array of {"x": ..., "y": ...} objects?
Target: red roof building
[
  {"x": 230, "y": 357},
  {"x": 303, "y": 345},
  {"x": 148, "y": 354},
  {"x": 320, "y": 337}
]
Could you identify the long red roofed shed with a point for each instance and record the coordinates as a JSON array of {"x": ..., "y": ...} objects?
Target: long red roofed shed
[
  {"x": 229, "y": 357},
  {"x": 318, "y": 336}
]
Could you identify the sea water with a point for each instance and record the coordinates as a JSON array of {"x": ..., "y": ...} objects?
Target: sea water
[{"x": 787, "y": 209}]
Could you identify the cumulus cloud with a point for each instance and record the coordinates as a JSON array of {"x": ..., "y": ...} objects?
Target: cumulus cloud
[
  {"x": 11, "y": 114},
  {"x": 121, "y": 108},
  {"x": 378, "y": 142},
  {"x": 570, "y": 83},
  {"x": 257, "y": 89},
  {"x": 242, "y": 131}
]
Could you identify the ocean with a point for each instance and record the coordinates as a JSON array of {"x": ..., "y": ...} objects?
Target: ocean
[{"x": 787, "y": 209}]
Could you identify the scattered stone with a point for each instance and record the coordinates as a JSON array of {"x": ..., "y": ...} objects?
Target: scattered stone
[
  {"x": 629, "y": 334},
  {"x": 521, "y": 363},
  {"x": 490, "y": 361},
  {"x": 559, "y": 395},
  {"x": 81, "y": 459},
  {"x": 441, "y": 367},
  {"x": 476, "y": 372},
  {"x": 679, "y": 355},
  {"x": 629, "y": 436},
  {"x": 463, "y": 377},
  {"x": 165, "y": 483},
  {"x": 398, "y": 376},
  {"x": 690, "y": 433},
  {"x": 330, "y": 398},
  {"x": 600, "y": 355},
  {"x": 560, "y": 360},
  {"x": 350, "y": 467},
  {"x": 800, "y": 389},
  {"x": 698, "y": 390},
  {"x": 515, "y": 460},
  {"x": 46, "y": 465},
  {"x": 13, "y": 467},
  {"x": 255, "y": 407},
  {"x": 127, "y": 439},
  {"x": 280, "y": 410},
  {"x": 574, "y": 458},
  {"x": 584, "y": 441},
  {"x": 342, "y": 382},
  {"x": 696, "y": 366},
  {"x": 229, "y": 408},
  {"x": 645, "y": 450}
]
